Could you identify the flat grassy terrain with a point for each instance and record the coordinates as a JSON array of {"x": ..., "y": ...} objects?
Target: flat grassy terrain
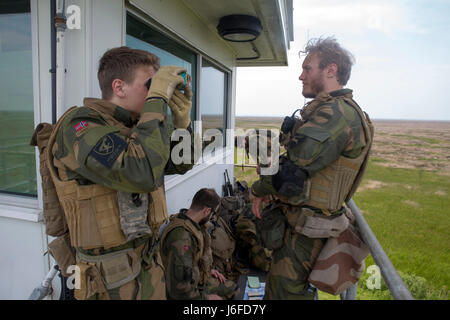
[{"x": 405, "y": 199}]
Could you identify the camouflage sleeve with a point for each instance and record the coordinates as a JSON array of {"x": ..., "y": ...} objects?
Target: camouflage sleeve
[
  {"x": 100, "y": 153},
  {"x": 332, "y": 130},
  {"x": 178, "y": 250}
]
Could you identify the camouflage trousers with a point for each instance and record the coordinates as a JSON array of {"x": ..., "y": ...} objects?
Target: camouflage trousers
[
  {"x": 248, "y": 242},
  {"x": 291, "y": 266},
  {"x": 225, "y": 290}
]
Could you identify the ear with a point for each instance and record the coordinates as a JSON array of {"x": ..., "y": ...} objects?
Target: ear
[
  {"x": 206, "y": 211},
  {"x": 332, "y": 70},
  {"x": 118, "y": 88}
]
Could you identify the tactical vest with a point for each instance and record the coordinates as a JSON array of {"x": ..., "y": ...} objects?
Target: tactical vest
[
  {"x": 337, "y": 182},
  {"x": 92, "y": 212},
  {"x": 202, "y": 260}
]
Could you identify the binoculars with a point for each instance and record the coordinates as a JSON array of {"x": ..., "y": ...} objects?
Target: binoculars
[{"x": 181, "y": 86}]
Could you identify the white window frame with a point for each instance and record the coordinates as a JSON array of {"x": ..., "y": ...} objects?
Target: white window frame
[{"x": 28, "y": 208}]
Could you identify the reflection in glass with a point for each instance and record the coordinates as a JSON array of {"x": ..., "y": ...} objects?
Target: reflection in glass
[
  {"x": 141, "y": 36},
  {"x": 17, "y": 157},
  {"x": 212, "y": 98}
]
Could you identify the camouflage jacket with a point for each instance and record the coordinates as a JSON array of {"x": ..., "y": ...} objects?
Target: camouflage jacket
[
  {"x": 100, "y": 143},
  {"x": 331, "y": 128},
  {"x": 182, "y": 255}
]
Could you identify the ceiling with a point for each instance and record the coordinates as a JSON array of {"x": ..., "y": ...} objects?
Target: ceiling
[{"x": 270, "y": 48}]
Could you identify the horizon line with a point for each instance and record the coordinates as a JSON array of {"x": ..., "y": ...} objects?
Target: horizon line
[{"x": 389, "y": 119}]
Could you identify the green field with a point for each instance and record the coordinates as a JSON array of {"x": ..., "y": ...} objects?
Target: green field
[{"x": 408, "y": 210}]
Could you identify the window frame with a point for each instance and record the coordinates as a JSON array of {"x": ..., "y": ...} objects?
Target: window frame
[
  {"x": 30, "y": 205},
  {"x": 173, "y": 180},
  {"x": 227, "y": 97}
]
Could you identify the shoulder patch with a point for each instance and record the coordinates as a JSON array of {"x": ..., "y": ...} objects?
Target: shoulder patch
[
  {"x": 108, "y": 149},
  {"x": 81, "y": 125}
]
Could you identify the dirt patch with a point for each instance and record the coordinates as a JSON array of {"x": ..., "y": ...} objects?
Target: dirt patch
[
  {"x": 411, "y": 203},
  {"x": 371, "y": 184},
  {"x": 398, "y": 144},
  {"x": 413, "y": 145},
  {"x": 440, "y": 193}
]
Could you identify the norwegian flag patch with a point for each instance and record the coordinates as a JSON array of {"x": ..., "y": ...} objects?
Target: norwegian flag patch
[{"x": 81, "y": 125}]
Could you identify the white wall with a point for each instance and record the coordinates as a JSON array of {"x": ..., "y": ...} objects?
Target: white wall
[{"x": 22, "y": 261}]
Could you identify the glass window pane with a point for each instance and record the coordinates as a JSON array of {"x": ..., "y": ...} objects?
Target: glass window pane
[
  {"x": 212, "y": 97},
  {"x": 17, "y": 157},
  {"x": 141, "y": 36}
]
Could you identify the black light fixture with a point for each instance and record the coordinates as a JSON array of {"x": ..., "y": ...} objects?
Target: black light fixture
[{"x": 239, "y": 28}]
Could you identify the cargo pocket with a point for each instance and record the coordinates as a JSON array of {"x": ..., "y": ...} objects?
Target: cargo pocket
[
  {"x": 116, "y": 268},
  {"x": 90, "y": 282},
  {"x": 273, "y": 225},
  {"x": 63, "y": 253}
]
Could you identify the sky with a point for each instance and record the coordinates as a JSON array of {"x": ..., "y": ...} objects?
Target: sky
[{"x": 402, "y": 53}]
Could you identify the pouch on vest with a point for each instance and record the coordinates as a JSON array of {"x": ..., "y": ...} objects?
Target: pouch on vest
[
  {"x": 63, "y": 253},
  {"x": 340, "y": 263},
  {"x": 116, "y": 268},
  {"x": 90, "y": 283},
  {"x": 92, "y": 214},
  {"x": 55, "y": 222},
  {"x": 272, "y": 226},
  {"x": 157, "y": 209},
  {"x": 133, "y": 214},
  {"x": 324, "y": 227}
]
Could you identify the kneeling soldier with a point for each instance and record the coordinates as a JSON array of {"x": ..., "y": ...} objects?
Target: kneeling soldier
[{"x": 186, "y": 253}]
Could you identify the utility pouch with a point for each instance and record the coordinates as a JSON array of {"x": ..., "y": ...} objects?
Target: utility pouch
[
  {"x": 90, "y": 282},
  {"x": 272, "y": 226},
  {"x": 324, "y": 227},
  {"x": 116, "y": 268},
  {"x": 157, "y": 210},
  {"x": 340, "y": 263},
  {"x": 63, "y": 253},
  {"x": 133, "y": 214},
  {"x": 101, "y": 202}
]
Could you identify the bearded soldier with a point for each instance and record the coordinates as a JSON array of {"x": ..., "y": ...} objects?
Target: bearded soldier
[
  {"x": 186, "y": 253},
  {"x": 326, "y": 154},
  {"x": 108, "y": 160}
]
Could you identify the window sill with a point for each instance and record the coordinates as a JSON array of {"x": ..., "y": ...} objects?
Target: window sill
[
  {"x": 174, "y": 180},
  {"x": 21, "y": 213}
]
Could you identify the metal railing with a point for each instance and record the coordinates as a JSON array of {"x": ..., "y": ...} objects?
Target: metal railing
[{"x": 394, "y": 282}]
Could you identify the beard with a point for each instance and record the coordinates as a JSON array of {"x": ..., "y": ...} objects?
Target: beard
[
  {"x": 205, "y": 220},
  {"x": 316, "y": 86}
]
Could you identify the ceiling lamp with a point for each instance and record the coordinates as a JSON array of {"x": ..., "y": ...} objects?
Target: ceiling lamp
[{"x": 239, "y": 28}]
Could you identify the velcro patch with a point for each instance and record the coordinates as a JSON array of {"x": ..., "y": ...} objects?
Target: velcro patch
[{"x": 108, "y": 148}]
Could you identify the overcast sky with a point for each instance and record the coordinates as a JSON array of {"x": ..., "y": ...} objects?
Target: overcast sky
[{"x": 402, "y": 52}]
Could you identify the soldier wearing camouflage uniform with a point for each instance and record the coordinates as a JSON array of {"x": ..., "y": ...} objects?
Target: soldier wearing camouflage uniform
[
  {"x": 108, "y": 160},
  {"x": 249, "y": 247},
  {"x": 186, "y": 253},
  {"x": 326, "y": 154}
]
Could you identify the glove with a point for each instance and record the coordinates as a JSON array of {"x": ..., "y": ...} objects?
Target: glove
[
  {"x": 165, "y": 81},
  {"x": 181, "y": 105},
  {"x": 289, "y": 179}
]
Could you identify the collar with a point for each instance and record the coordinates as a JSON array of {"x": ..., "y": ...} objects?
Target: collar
[
  {"x": 104, "y": 106},
  {"x": 183, "y": 215},
  {"x": 341, "y": 92}
]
